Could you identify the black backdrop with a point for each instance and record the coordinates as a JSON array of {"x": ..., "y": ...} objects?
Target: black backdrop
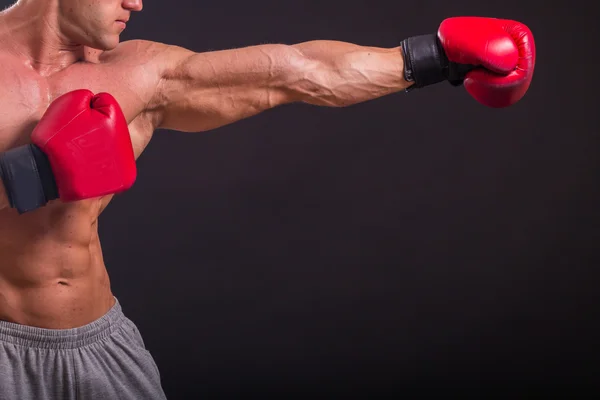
[{"x": 418, "y": 241}]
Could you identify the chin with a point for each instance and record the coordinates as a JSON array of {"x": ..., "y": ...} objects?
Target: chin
[
  {"x": 106, "y": 43},
  {"x": 111, "y": 46}
]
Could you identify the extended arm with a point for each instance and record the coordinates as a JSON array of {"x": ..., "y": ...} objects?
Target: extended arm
[
  {"x": 493, "y": 58},
  {"x": 202, "y": 91}
]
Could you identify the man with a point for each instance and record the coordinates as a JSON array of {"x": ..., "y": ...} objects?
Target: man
[{"x": 78, "y": 108}]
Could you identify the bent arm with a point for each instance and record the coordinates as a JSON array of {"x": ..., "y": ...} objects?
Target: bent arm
[{"x": 202, "y": 91}]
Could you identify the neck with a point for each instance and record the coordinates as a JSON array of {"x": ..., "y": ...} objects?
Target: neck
[{"x": 31, "y": 29}]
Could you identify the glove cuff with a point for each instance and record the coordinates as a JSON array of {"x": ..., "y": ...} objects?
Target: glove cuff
[
  {"x": 27, "y": 178},
  {"x": 425, "y": 63}
]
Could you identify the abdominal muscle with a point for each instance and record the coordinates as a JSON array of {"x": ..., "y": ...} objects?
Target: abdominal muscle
[{"x": 52, "y": 273}]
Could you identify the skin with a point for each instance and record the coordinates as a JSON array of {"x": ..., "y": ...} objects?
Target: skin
[{"x": 52, "y": 273}]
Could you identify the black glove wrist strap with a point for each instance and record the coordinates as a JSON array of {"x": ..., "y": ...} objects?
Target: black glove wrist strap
[
  {"x": 27, "y": 178},
  {"x": 426, "y": 63}
]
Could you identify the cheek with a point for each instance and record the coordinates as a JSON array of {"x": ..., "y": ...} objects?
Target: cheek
[{"x": 98, "y": 15}]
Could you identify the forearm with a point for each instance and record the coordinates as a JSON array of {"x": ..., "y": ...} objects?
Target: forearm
[{"x": 339, "y": 74}]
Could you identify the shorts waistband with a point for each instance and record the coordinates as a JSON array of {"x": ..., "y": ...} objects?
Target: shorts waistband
[{"x": 29, "y": 336}]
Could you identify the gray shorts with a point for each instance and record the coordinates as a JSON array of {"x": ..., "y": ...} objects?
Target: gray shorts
[{"x": 102, "y": 360}]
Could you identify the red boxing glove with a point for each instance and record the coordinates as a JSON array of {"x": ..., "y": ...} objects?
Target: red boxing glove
[
  {"x": 503, "y": 52},
  {"x": 87, "y": 142},
  {"x": 81, "y": 149},
  {"x": 494, "y": 58}
]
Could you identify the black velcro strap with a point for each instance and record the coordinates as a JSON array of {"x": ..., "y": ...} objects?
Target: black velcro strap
[
  {"x": 424, "y": 61},
  {"x": 45, "y": 171},
  {"x": 27, "y": 178}
]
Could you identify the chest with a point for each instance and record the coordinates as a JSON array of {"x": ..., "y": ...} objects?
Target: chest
[{"x": 25, "y": 95}]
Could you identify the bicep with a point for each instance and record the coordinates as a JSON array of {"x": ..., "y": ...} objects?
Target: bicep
[{"x": 203, "y": 91}]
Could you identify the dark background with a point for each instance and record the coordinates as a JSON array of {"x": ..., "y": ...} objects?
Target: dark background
[{"x": 416, "y": 242}]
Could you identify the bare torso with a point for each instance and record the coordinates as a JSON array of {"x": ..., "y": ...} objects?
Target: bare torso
[
  {"x": 52, "y": 273},
  {"x": 51, "y": 270}
]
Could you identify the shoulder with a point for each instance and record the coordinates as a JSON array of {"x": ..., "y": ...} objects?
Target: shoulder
[{"x": 147, "y": 54}]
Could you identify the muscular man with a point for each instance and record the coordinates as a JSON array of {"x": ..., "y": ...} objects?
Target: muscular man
[{"x": 66, "y": 149}]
